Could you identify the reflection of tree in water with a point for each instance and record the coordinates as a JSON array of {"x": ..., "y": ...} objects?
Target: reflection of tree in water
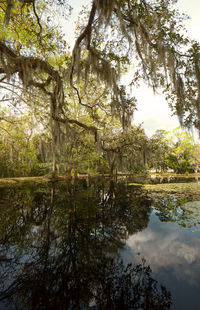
[
  {"x": 58, "y": 250},
  {"x": 176, "y": 202},
  {"x": 130, "y": 287},
  {"x": 185, "y": 213},
  {"x": 107, "y": 285}
]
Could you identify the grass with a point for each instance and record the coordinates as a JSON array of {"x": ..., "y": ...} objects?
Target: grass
[{"x": 43, "y": 179}]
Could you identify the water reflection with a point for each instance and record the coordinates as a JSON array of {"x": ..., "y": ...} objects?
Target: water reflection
[
  {"x": 173, "y": 255},
  {"x": 60, "y": 245},
  {"x": 168, "y": 246}
]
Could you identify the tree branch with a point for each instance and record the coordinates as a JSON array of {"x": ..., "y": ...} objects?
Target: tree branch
[
  {"x": 38, "y": 19},
  {"x": 86, "y": 33}
]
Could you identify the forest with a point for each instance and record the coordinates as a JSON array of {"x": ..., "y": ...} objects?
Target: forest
[
  {"x": 95, "y": 213},
  {"x": 65, "y": 111}
]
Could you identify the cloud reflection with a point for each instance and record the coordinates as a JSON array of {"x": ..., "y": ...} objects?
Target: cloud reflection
[{"x": 168, "y": 249}]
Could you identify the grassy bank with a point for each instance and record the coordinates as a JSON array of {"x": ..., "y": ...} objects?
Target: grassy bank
[{"x": 43, "y": 179}]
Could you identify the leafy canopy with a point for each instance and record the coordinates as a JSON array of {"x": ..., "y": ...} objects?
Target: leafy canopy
[{"x": 34, "y": 58}]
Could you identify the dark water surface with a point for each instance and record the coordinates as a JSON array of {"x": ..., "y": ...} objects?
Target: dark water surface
[{"x": 100, "y": 244}]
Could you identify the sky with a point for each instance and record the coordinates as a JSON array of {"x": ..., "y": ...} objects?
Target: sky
[
  {"x": 173, "y": 254},
  {"x": 152, "y": 109}
]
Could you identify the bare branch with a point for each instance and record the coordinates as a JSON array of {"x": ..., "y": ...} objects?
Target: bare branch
[{"x": 38, "y": 19}]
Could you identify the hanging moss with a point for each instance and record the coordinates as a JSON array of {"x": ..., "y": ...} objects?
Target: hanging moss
[{"x": 148, "y": 28}]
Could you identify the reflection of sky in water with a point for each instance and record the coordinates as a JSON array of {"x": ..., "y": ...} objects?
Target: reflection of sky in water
[{"x": 174, "y": 257}]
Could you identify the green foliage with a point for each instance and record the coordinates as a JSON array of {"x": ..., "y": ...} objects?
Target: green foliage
[
  {"x": 125, "y": 150},
  {"x": 17, "y": 152},
  {"x": 182, "y": 156},
  {"x": 77, "y": 101},
  {"x": 159, "y": 150},
  {"x": 175, "y": 150}
]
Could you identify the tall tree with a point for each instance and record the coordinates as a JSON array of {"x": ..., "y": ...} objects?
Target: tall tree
[{"x": 148, "y": 33}]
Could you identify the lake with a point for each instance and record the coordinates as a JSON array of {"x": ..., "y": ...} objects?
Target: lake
[{"x": 96, "y": 243}]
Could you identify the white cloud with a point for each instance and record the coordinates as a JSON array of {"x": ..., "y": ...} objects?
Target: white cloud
[
  {"x": 153, "y": 111},
  {"x": 166, "y": 247}
]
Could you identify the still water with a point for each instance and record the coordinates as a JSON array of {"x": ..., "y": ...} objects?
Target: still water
[{"x": 100, "y": 244}]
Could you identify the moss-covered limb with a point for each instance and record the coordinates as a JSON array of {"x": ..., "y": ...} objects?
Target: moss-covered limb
[
  {"x": 85, "y": 34},
  {"x": 25, "y": 65},
  {"x": 155, "y": 38}
]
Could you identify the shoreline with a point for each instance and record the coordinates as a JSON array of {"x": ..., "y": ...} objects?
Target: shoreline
[{"x": 45, "y": 179}]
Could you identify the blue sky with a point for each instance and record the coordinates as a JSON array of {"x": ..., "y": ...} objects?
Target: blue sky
[{"x": 153, "y": 111}]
